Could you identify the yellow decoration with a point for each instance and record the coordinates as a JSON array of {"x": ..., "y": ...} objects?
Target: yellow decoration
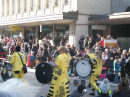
[
  {"x": 4, "y": 71},
  {"x": 15, "y": 28}
]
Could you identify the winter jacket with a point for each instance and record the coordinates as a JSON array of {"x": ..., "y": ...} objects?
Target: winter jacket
[{"x": 116, "y": 66}]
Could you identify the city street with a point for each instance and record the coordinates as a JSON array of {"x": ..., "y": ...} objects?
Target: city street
[{"x": 43, "y": 90}]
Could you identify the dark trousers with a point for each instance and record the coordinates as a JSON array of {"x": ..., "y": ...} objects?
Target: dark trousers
[{"x": 122, "y": 72}]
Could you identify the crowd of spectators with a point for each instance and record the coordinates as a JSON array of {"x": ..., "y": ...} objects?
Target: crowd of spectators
[{"x": 114, "y": 58}]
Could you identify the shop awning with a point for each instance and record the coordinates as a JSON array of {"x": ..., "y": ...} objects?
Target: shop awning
[{"x": 112, "y": 19}]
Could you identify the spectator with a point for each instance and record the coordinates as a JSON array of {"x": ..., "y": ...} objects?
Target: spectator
[
  {"x": 108, "y": 53},
  {"x": 98, "y": 38},
  {"x": 128, "y": 53},
  {"x": 25, "y": 49},
  {"x": 102, "y": 41},
  {"x": 40, "y": 54},
  {"x": 125, "y": 53},
  {"x": 117, "y": 47},
  {"x": 81, "y": 41},
  {"x": 85, "y": 44},
  {"x": 116, "y": 68},
  {"x": 70, "y": 50},
  {"x": 32, "y": 59},
  {"x": 90, "y": 43},
  {"x": 112, "y": 58},
  {"x": 123, "y": 89},
  {"x": 12, "y": 49},
  {"x": 108, "y": 47},
  {"x": 62, "y": 43},
  {"x": 104, "y": 67},
  {"x": 104, "y": 90},
  {"x": 45, "y": 54},
  {"x": 123, "y": 61}
]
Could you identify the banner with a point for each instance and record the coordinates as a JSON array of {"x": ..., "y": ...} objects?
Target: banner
[{"x": 15, "y": 28}]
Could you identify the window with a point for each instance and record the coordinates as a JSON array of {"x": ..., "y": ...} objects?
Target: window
[
  {"x": 19, "y": 6},
  {"x": 2, "y": 8},
  {"x": 32, "y": 3},
  {"x": 57, "y": 3},
  {"x": 25, "y": 5},
  {"x": 7, "y": 7},
  {"x": 66, "y": 1},
  {"x": 47, "y": 5},
  {"x": 39, "y": 5}
]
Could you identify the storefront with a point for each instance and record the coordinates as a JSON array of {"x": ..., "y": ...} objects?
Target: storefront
[{"x": 30, "y": 32}]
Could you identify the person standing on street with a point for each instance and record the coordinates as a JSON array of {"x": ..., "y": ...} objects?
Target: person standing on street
[{"x": 17, "y": 63}]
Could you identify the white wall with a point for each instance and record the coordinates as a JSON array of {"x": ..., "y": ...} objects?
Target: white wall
[
  {"x": 94, "y": 6},
  {"x": 119, "y": 5}
]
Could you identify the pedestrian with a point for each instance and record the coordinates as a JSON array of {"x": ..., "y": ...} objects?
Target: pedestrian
[{"x": 116, "y": 68}]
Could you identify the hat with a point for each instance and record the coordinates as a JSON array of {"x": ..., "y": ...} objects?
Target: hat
[
  {"x": 81, "y": 89},
  {"x": 114, "y": 49},
  {"x": 116, "y": 57},
  {"x": 32, "y": 52},
  {"x": 105, "y": 87}
]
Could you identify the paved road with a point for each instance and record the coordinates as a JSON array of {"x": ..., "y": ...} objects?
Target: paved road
[{"x": 43, "y": 90}]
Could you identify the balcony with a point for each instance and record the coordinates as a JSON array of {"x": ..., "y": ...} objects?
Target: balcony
[
  {"x": 24, "y": 14},
  {"x": 66, "y": 8},
  {"x": 39, "y": 12},
  {"x": 31, "y": 14},
  {"x": 47, "y": 11},
  {"x": 56, "y": 9},
  {"x": 3, "y": 18},
  {"x": 18, "y": 16},
  {"x": 13, "y": 17},
  {"x": 7, "y": 18}
]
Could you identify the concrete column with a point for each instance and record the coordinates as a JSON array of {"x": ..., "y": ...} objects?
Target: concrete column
[
  {"x": 36, "y": 32},
  {"x": 11, "y": 33},
  {"x": 71, "y": 33},
  {"x": 23, "y": 32},
  {"x": 53, "y": 32}
]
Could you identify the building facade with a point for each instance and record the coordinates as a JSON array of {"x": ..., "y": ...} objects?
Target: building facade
[{"x": 58, "y": 17}]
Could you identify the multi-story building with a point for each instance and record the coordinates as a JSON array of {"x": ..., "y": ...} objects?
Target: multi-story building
[{"x": 56, "y": 18}]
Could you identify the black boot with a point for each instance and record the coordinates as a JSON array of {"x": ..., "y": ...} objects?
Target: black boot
[
  {"x": 89, "y": 85},
  {"x": 93, "y": 94}
]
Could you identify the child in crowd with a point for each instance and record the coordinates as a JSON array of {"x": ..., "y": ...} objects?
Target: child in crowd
[
  {"x": 116, "y": 68},
  {"x": 32, "y": 60},
  {"x": 104, "y": 67}
]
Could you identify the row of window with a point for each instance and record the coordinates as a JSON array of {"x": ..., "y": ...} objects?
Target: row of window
[{"x": 25, "y": 5}]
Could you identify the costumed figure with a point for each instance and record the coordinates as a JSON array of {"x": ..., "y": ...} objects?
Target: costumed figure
[
  {"x": 17, "y": 88},
  {"x": 17, "y": 63},
  {"x": 96, "y": 63},
  {"x": 59, "y": 84}
]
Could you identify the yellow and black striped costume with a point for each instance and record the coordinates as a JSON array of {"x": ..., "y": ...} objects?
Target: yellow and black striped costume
[
  {"x": 59, "y": 87},
  {"x": 96, "y": 72}
]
